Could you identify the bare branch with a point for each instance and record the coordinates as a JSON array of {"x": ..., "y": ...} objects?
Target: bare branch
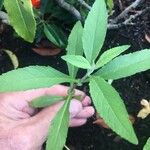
[
  {"x": 82, "y": 2},
  {"x": 128, "y": 21},
  {"x": 126, "y": 11},
  {"x": 132, "y": 17},
  {"x": 4, "y": 17},
  {"x": 69, "y": 8},
  {"x": 113, "y": 22}
]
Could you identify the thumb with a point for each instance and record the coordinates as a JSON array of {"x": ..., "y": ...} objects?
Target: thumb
[{"x": 41, "y": 122}]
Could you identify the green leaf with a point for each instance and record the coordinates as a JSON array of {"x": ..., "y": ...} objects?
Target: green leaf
[
  {"x": 45, "y": 6},
  {"x": 77, "y": 60},
  {"x": 126, "y": 65},
  {"x": 110, "y": 54},
  {"x": 44, "y": 101},
  {"x": 75, "y": 46},
  {"x": 31, "y": 77},
  {"x": 55, "y": 35},
  {"x": 21, "y": 17},
  {"x": 59, "y": 128},
  {"x": 1, "y": 4},
  {"x": 95, "y": 30},
  {"x": 110, "y": 5},
  {"x": 111, "y": 108},
  {"x": 147, "y": 145}
]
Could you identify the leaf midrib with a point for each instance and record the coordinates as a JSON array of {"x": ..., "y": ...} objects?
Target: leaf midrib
[
  {"x": 92, "y": 51},
  {"x": 46, "y": 78},
  {"x": 22, "y": 17},
  {"x": 127, "y": 66},
  {"x": 112, "y": 109},
  {"x": 62, "y": 116}
]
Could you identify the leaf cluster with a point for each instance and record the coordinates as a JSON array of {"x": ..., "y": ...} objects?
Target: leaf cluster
[
  {"x": 83, "y": 49},
  {"x": 50, "y": 21}
]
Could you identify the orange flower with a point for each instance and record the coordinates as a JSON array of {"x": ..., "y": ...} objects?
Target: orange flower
[{"x": 36, "y": 3}]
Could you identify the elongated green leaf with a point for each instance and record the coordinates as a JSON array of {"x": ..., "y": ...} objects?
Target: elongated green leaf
[
  {"x": 21, "y": 18},
  {"x": 95, "y": 30},
  {"x": 77, "y": 60},
  {"x": 59, "y": 128},
  {"x": 75, "y": 46},
  {"x": 55, "y": 35},
  {"x": 110, "y": 54},
  {"x": 147, "y": 145},
  {"x": 126, "y": 65},
  {"x": 111, "y": 108},
  {"x": 31, "y": 77},
  {"x": 44, "y": 101}
]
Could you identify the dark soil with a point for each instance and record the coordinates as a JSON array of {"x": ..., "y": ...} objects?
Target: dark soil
[{"x": 131, "y": 89}]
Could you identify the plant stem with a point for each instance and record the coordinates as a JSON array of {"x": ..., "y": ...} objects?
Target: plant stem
[
  {"x": 84, "y": 78},
  {"x": 71, "y": 90},
  {"x": 69, "y": 8},
  {"x": 66, "y": 147},
  {"x": 82, "y": 2},
  {"x": 126, "y": 11}
]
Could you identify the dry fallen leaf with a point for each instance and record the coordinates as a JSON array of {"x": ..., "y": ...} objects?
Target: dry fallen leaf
[
  {"x": 132, "y": 119},
  {"x": 100, "y": 121},
  {"x": 47, "y": 51},
  {"x": 145, "y": 111},
  {"x": 147, "y": 37},
  {"x": 12, "y": 57},
  {"x": 46, "y": 48}
]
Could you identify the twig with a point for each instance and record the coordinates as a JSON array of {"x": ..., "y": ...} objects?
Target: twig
[
  {"x": 82, "y": 2},
  {"x": 4, "y": 17},
  {"x": 66, "y": 147},
  {"x": 114, "y": 26},
  {"x": 120, "y": 5},
  {"x": 128, "y": 21},
  {"x": 113, "y": 23},
  {"x": 69, "y": 8},
  {"x": 126, "y": 11},
  {"x": 132, "y": 17}
]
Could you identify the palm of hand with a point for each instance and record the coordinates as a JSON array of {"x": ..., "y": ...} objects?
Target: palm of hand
[{"x": 19, "y": 123}]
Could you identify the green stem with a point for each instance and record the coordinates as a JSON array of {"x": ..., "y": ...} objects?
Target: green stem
[
  {"x": 71, "y": 90},
  {"x": 66, "y": 147},
  {"x": 84, "y": 78}
]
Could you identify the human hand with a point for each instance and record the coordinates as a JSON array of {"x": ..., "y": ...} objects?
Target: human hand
[{"x": 22, "y": 128}]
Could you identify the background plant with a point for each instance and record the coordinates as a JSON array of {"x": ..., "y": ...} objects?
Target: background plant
[
  {"x": 84, "y": 51},
  {"x": 53, "y": 19}
]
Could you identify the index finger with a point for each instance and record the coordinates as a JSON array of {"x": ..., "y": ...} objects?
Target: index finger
[{"x": 29, "y": 95}]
